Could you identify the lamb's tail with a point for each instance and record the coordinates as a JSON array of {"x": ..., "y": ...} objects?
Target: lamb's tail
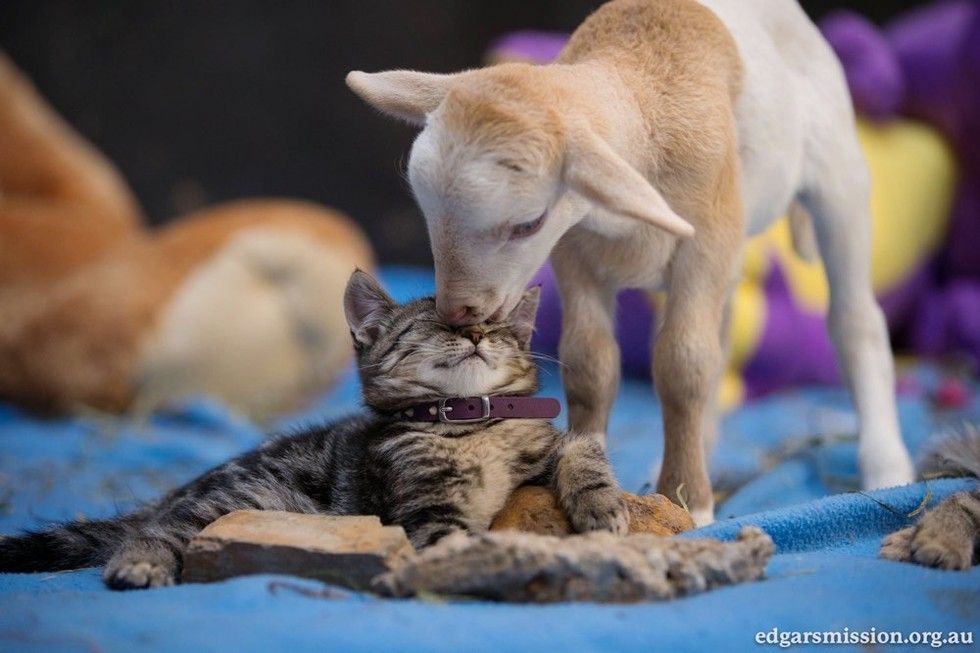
[
  {"x": 801, "y": 232},
  {"x": 956, "y": 453},
  {"x": 70, "y": 546}
]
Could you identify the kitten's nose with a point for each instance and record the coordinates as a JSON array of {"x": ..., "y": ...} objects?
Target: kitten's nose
[{"x": 475, "y": 335}]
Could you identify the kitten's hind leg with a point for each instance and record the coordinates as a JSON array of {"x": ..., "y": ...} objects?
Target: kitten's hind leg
[
  {"x": 898, "y": 545},
  {"x": 141, "y": 563},
  {"x": 946, "y": 536}
]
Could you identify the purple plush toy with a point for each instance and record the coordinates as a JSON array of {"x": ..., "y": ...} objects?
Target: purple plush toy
[
  {"x": 874, "y": 73},
  {"x": 936, "y": 52}
]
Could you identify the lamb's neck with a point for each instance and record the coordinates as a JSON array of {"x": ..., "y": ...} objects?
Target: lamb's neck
[{"x": 595, "y": 93}]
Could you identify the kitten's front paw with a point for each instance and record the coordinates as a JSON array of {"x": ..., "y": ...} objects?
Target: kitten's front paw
[{"x": 600, "y": 510}]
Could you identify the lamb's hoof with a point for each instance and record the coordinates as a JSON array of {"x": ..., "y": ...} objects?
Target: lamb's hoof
[
  {"x": 704, "y": 517},
  {"x": 882, "y": 470}
]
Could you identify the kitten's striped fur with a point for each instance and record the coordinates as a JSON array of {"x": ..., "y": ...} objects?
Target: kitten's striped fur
[{"x": 431, "y": 478}]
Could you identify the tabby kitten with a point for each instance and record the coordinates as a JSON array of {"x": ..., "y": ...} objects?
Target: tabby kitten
[{"x": 432, "y": 478}]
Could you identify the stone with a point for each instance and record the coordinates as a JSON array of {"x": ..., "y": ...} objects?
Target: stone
[
  {"x": 346, "y": 551},
  {"x": 534, "y": 509},
  {"x": 598, "y": 566}
]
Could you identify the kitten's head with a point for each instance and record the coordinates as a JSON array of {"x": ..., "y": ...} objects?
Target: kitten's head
[{"x": 406, "y": 354}]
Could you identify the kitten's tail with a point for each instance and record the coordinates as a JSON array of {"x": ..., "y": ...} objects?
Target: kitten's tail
[
  {"x": 70, "y": 546},
  {"x": 956, "y": 453}
]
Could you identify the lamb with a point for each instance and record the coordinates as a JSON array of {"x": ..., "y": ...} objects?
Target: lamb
[{"x": 666, "y": 133}]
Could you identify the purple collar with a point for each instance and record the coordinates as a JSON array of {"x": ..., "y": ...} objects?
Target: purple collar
[{"x": 464, "y": 410}]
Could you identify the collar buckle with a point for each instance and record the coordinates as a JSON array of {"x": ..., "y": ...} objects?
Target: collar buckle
[{"x": 443, "y": 411}]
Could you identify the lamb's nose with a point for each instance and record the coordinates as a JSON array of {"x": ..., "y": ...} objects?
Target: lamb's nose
[
  {"x": 456, "y": 315},
  {"x": 475, "y": 335},
  {"x": 459, "y": 315}
]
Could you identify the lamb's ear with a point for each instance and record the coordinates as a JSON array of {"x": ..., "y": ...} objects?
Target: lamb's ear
[
  {"x": 405, "y": 94},
  {"x": 521, "y": 319},
  {"x": 598, "y": 173},
  {"x": 366, "y": 304}
]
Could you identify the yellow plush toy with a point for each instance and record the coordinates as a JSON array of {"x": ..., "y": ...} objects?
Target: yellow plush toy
[{"x": 778, "y": 336}]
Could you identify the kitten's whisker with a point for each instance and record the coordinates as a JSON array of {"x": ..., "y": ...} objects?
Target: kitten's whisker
[{"x": 547, "y": 358}]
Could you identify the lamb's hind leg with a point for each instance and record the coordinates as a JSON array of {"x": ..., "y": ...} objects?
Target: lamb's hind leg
[{"x": 839, "y": 204}]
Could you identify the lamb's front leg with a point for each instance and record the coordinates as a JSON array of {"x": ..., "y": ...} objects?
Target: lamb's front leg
[
  {"x": 687, "y": 361},
  {"x": 588, "y": 349},
  {"x": 585, "y": 485}
]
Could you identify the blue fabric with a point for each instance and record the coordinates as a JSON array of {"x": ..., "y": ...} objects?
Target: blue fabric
[{"x": 825, "y": 575}]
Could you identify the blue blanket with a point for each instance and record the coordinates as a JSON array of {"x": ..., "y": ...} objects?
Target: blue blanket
[{"x": 787, "y": 463}]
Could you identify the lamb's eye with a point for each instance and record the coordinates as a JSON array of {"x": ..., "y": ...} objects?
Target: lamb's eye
[{"x": 525, "y": 229}]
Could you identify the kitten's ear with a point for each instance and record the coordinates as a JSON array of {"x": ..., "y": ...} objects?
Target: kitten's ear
[
  {"x": 366, "y": 304},
  {"x": 521, "y": 319}
]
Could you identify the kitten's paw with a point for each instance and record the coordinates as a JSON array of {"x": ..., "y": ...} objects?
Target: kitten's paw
[
  {"x": 139, "y": 565},
  {"x": 944, "y": 537},
  {"x": 898, "y": 545},
  {"x": 600, "y": 510},
  {"x": 138, "y": 575},
  {"x": 935, "y": 546}
]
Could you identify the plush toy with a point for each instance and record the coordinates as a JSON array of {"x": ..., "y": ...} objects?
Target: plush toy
[
  {"x": 241, "y": 301},
  {"x": 778, "y": 335},
  {"x": 936, "y": 51}
]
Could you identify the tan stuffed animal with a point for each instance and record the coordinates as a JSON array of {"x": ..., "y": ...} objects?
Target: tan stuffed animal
[{"x": 241, "y": 301}]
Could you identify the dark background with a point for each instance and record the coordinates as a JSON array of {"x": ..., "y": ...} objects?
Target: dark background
[{"x": 199, "y": 102}]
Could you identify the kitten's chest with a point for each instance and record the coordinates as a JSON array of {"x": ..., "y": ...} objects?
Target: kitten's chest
[{"x": 495, "y": 462}]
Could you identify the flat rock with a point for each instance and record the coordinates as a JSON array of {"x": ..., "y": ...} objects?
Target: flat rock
[
  {"x": 535, "y": 509},
  {"x": 347, "y": 551}
]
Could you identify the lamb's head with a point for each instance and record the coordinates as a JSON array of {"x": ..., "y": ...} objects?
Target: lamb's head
[{"x": 502, "y": 169}]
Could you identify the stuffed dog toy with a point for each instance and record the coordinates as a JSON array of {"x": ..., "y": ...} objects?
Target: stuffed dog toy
[{"x": 242, "y": 301}]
